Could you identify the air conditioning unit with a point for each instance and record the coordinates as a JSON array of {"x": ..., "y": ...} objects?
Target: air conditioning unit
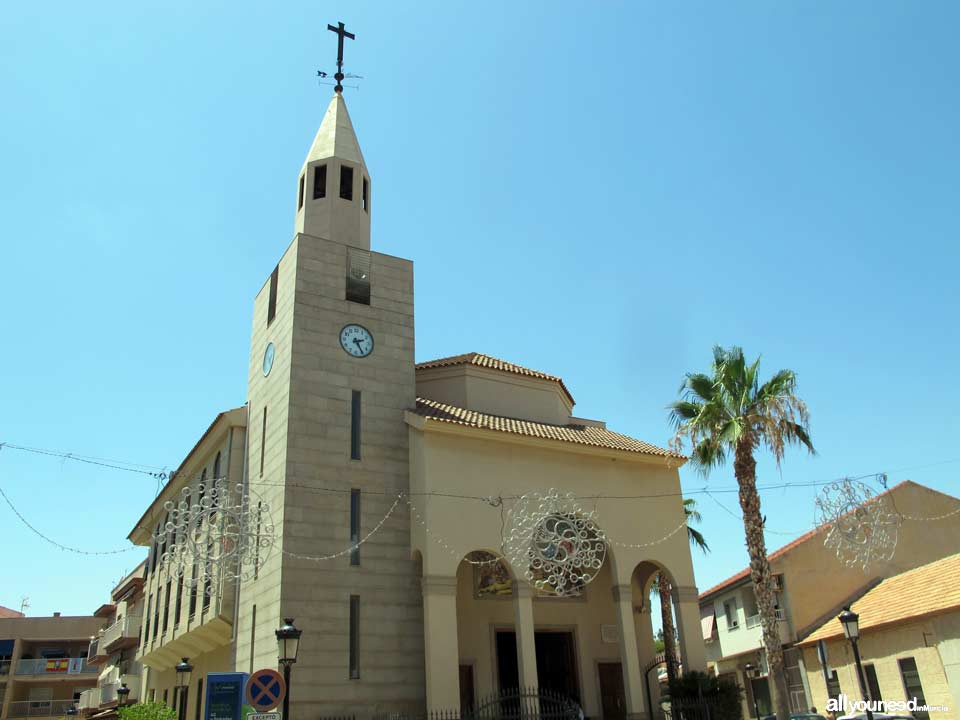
[{"x": 733, "y": 625}]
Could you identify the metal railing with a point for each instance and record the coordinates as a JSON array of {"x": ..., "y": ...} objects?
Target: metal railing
[
  {"x": 127, "y": 627},
  {"x": 90, "y": 699},
  {"x": 754, "y": 620},
  {"x": 39, "y": 708},
  {"x": 54, "y": 666}
]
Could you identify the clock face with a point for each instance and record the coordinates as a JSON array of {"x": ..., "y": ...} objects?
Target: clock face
[
  {"x": 356, "y": 340},
  {"x": 268, "y": 359}
]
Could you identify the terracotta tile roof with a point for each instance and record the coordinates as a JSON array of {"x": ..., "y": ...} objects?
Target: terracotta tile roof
[
  {"x": 492, "y": 363},
  {"x": 745, "y": 573},
  {"x": 926, "y": 590},
  {"x": 6, "y": 612},
  {"x": 579, "y": 434}
]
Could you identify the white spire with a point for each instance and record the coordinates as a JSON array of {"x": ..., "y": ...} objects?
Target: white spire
[
  {"x": 336, "y": 137},
  {"x": 330, "y": 203}
]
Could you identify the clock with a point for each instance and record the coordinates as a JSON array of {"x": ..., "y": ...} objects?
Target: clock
[
  {"x": 268, "y": 359},
  {"x": 356, "y": 340}
]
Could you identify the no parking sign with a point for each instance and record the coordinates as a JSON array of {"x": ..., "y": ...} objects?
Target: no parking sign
[{"x": 265, "y": 690}]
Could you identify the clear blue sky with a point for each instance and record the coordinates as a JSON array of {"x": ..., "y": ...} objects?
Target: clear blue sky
[{"x": 600, "y": 191}]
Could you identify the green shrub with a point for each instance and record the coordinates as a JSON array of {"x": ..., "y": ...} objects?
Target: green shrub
[
  {"x": 723, "y": 695},
  {"x": 147, "y": 711}
]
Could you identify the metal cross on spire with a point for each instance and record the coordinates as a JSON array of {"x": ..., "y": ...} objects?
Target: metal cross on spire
[{"x": 342, "y": 33}]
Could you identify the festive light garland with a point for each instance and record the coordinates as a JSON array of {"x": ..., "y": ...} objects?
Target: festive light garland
[
  {"x": 553, "y": 543},
  {"x": 227, "y": 534},
  {"x": 861, "y": 529}
]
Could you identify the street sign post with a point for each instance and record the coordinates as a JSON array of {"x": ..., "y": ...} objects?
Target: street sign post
[{"x": 265, "y": 691}]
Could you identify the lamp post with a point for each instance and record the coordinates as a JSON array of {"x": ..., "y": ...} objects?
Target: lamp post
[
  {"x": 122, "y": 692},
  {"x": 183, "y": 668},
  {"x": 748, "y": 668},
  {"x": 288, "y": 645},
  {"x": 851, "y": 628}
]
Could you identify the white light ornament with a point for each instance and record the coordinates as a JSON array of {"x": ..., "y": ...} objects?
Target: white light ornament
[
  {"x": 226, "y": 534},
  {"x": 862, "y": 528},
  {"x": 553, "y": 543}
]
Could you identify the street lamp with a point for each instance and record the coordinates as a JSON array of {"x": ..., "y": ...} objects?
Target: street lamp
[
  {"x": 122, "y": 692},
  {"x": 748, "y": 669},
  {"x": 288, "y": 645},
  {"x": 183, "y": 668},
  {"x": 851, "y": 628}
]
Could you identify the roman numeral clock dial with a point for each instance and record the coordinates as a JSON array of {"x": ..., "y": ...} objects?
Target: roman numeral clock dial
[{"x": 356, "y": 340}]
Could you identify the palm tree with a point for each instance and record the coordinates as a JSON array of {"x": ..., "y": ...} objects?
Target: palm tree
[
  {"x": 730, "y": 413},
  {"x": 661, "y": 584}
]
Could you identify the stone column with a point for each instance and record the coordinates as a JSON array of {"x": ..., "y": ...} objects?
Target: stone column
[
  {"x": 633, "y": 687},
  {"x": 693, "y": 654},
  {"x": 440, "y": 643},
  {"x": 526, "y": 639}
]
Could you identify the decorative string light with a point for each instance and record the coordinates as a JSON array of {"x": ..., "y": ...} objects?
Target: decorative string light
[
  {"x": 353, "y": 547},
  {"x": 554, "y": 543},
  {"x": 56, "y": 544},
  {"x": 228, "y": 533},
  {"x": 678, "y": 528},
  {"x": 861, "y": 528}
]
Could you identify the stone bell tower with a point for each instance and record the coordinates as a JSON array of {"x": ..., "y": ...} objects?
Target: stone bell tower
[{"x": 331, "y": 375}]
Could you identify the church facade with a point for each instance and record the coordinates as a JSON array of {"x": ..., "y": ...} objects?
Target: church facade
[{"x": 390, "y": 498}]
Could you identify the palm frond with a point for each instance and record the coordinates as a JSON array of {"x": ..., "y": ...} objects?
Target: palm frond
[{"x": 697, "y": 540}]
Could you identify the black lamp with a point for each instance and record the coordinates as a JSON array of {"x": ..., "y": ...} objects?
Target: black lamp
[
  {"x": 122, "y": 692},
  {"x": 288, "y": 645},
  {"x": 184, "y": 669},
  {"x": 851, "y": 628}
]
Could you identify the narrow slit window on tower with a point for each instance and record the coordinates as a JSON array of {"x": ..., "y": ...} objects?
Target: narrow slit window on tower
[
  {"x": 358, "y": 276},
  {"x": 272, "y": 299},
  {"x": 355, "y": 406},
  {"x": 346, "y": 182},
  {"x": 366, "y": 195},
  {"x": 354, "y": 637},
  {"x": 319, "y": 182},
  {"x": 355, "y": 526},
  {"x": 263, "y": 440},
  {"x": 300, "y": 193}
]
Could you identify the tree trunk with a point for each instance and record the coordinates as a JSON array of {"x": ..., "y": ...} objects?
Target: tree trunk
[
  {"x": 745, "y": 468},
  {"x": 669, "y": 634}
]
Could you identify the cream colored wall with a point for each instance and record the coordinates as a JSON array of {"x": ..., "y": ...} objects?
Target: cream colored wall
[
  {"x": 218, "y": 660},
  {"x": 258, "y": 612},
  {"x": 479, "y": 618},
  {"x": 882, "y": 649},
  {"x": 491, "y": 465},
  {"x": 947, "y": 629},
  {"x": 496, "y": 393}
]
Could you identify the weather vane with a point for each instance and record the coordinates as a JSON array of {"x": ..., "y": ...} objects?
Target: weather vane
[{"x": 342, "y": 33}]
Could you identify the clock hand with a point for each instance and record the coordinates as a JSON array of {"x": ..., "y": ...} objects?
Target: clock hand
[{"x": 356, "y": 341}]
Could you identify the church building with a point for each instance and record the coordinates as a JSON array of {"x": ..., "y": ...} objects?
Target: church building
[{"x": 439, "y": 531}]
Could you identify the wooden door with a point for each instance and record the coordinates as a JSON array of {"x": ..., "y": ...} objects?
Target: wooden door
[{"x": 612, "y": 697}]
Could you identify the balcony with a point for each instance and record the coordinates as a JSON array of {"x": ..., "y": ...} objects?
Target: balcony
[
  {"x": 4, "y": 667},
  {"x": 56, "y": 667},
  {"x": 96, "y": 653},
  {"x": 39, "y": 708},
  {"x": 754, "y": 620},
  {"x": 122, "y": 634},
  {"x": 90, "y": 699},
  {"x": 108, "y": 691}
]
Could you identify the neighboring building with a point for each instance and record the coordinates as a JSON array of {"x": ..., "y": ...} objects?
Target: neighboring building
[
  {"x": 909, "y": 643},
  {"x": 183, "y": 618},
  {"x": 812, "y": 585},
  {"x": 113, "y": 650},
  {"x": 43, "y": 664},
  {"x": 343, "y": 427}
]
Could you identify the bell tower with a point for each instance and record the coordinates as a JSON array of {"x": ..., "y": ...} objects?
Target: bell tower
[
  {"x": 333, "y": 190},
  {"x": 330, "y": 379}
]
